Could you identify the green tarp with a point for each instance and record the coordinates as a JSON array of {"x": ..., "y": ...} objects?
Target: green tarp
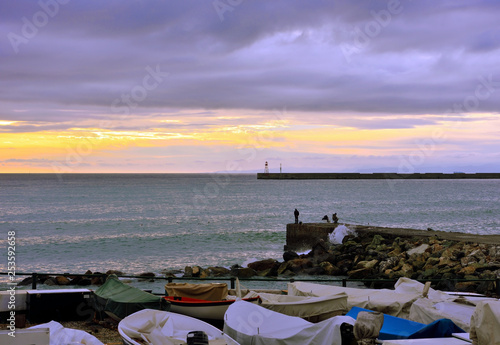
[{"x": 119, "y": 300}]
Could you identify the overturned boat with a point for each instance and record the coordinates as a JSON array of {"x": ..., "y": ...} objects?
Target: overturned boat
[
  {"x": 118, "y": 300},
  {"x": 251, "y": 324},
  {"x": 158, "y": 327},
  {"x": 313, "y": 309}
]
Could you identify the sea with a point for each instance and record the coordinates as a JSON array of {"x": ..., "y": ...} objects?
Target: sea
[{"x": 138, "y": 223}]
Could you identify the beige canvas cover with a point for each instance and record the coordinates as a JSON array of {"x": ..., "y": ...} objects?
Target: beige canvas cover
[
  {"x": 485, "y": 323},
  {"x": 207, "y": 291},
  {"x": 382, "y": 300},
  {"x": 310, "y": 308}
]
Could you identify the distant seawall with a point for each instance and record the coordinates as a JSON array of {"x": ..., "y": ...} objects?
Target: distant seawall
[{"x": 374, "y": 176}]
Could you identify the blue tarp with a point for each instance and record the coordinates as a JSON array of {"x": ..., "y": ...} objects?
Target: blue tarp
[{"x": 398, "y": 328}]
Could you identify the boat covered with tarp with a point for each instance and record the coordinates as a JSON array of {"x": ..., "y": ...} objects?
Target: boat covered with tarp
[
  {"x": 205, "y": 291},
  {"x": 251, "y": 324},
  {"x": 119, "y": 300},
  {"x": 157, "y": 327},
  {"x": 208, "y": 301},
  {"x": 310, "y": 308}
]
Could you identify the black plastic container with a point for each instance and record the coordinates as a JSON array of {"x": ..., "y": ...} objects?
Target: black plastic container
[{"x": 197, "y": 338}]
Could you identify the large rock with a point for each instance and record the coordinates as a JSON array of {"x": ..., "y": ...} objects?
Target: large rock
[
  {"x": 366, "y": 264},
  {"x": 290, "y": 255},
  {"x": 218, "y": 271},
  {"x": 263, "y": 265},
  {"x": 62, "y": 280},
  {"x": 188, "y": 272},
  {"x": 418, "y": 250},
  {"x": 298, "y": 265},
  {"x": 329, "y": 269},
  {"x": 245, "y": 272}
]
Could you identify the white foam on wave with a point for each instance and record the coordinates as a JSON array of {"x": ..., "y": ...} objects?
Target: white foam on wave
[
  {"x": 341, "y": 231},
  {"x": 248, "y": 261}
]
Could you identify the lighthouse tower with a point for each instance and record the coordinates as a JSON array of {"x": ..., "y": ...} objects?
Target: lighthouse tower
[{"x": 266, "y": 168}]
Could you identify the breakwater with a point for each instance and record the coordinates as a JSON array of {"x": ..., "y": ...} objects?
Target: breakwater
[
  {"x": 374, "y": 176},
  {"x": 302, "y": 236},
  {"x": 460, "y": 261}
]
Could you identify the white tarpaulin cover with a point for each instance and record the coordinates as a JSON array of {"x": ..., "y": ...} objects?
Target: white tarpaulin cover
[
  {"x": 485, "y": 323},
  {"x": 439, "y": 305},
  {"x": 250, "y": 324},
  {"x": 383, "y": 300},
  {"x": 426, "y": 311},
  {"x": 433, "y": 341},
  {"x": 61, "y": 335},
  {"x": 318, "y": 308},
  {"x": 166, "y": 328}
]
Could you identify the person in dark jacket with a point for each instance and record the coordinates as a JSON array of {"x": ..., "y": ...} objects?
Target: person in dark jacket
[
  {"x": 335, "y": 219},
  {"x": 296, "y": 214}
]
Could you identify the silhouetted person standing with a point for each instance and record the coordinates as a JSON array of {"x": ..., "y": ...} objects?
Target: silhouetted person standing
[
  {"x": 335, "y": 219},
  {"x": 296, "y": 214}
]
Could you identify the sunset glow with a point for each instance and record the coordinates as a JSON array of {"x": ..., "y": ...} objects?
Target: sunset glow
[{"x": 184, "y": 88}]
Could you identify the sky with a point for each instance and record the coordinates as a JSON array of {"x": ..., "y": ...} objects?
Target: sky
[{"x": 225, "y": 85}]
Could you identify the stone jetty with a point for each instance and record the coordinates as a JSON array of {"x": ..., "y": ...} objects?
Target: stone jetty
[{"x": 454, "y": 261}]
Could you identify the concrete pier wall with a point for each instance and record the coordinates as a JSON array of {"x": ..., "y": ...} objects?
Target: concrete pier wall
[
  {"x": 374, "y": 176},
  {"x": 301, "y": 237}
]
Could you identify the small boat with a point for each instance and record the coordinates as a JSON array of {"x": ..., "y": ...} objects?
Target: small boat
[
  {"x": 385, "y": 301},
  {"x": 208, "y": 301},
  {"x": 118, "y": 300},
  {"x": 205, "y": 291},
  {"x": 202, "y": 309},
  {"x": 157, "y": 327},
  {"x": 251, "y": 324},
  {"x": 313, "y": 309}
]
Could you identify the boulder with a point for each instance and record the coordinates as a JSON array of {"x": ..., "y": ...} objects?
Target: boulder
[
  {"x": 50, "y": 281},
  {"x": 62, "y": 280},
  {"x": 219, "y": 271},
  {"x": 467, "y": 270},
  {"x": 147, "y": 276},
  {"x": 98, "y": 280},
  {"x": 115, "y": 272},
  {"x": 263, "y": 265},
  {"x": 299, "y": 265},
  {"x": 366, "y": 264},
  {"x": 431, "y": 263},
  {"x": 418, "y": 250},
  {"x": 329, "y": 269},
  {"x": 245, "y": 272},
  {"x": 196, "y": 271},
  {"x": 188, "y": 272},
  {"x": 290, "y": 255}
]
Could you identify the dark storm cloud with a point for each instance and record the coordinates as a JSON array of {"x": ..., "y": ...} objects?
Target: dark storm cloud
[{"x": 395, "y": 57}]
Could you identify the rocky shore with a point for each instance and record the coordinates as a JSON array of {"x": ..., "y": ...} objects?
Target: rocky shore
[{"x": 452, "y": 264}]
